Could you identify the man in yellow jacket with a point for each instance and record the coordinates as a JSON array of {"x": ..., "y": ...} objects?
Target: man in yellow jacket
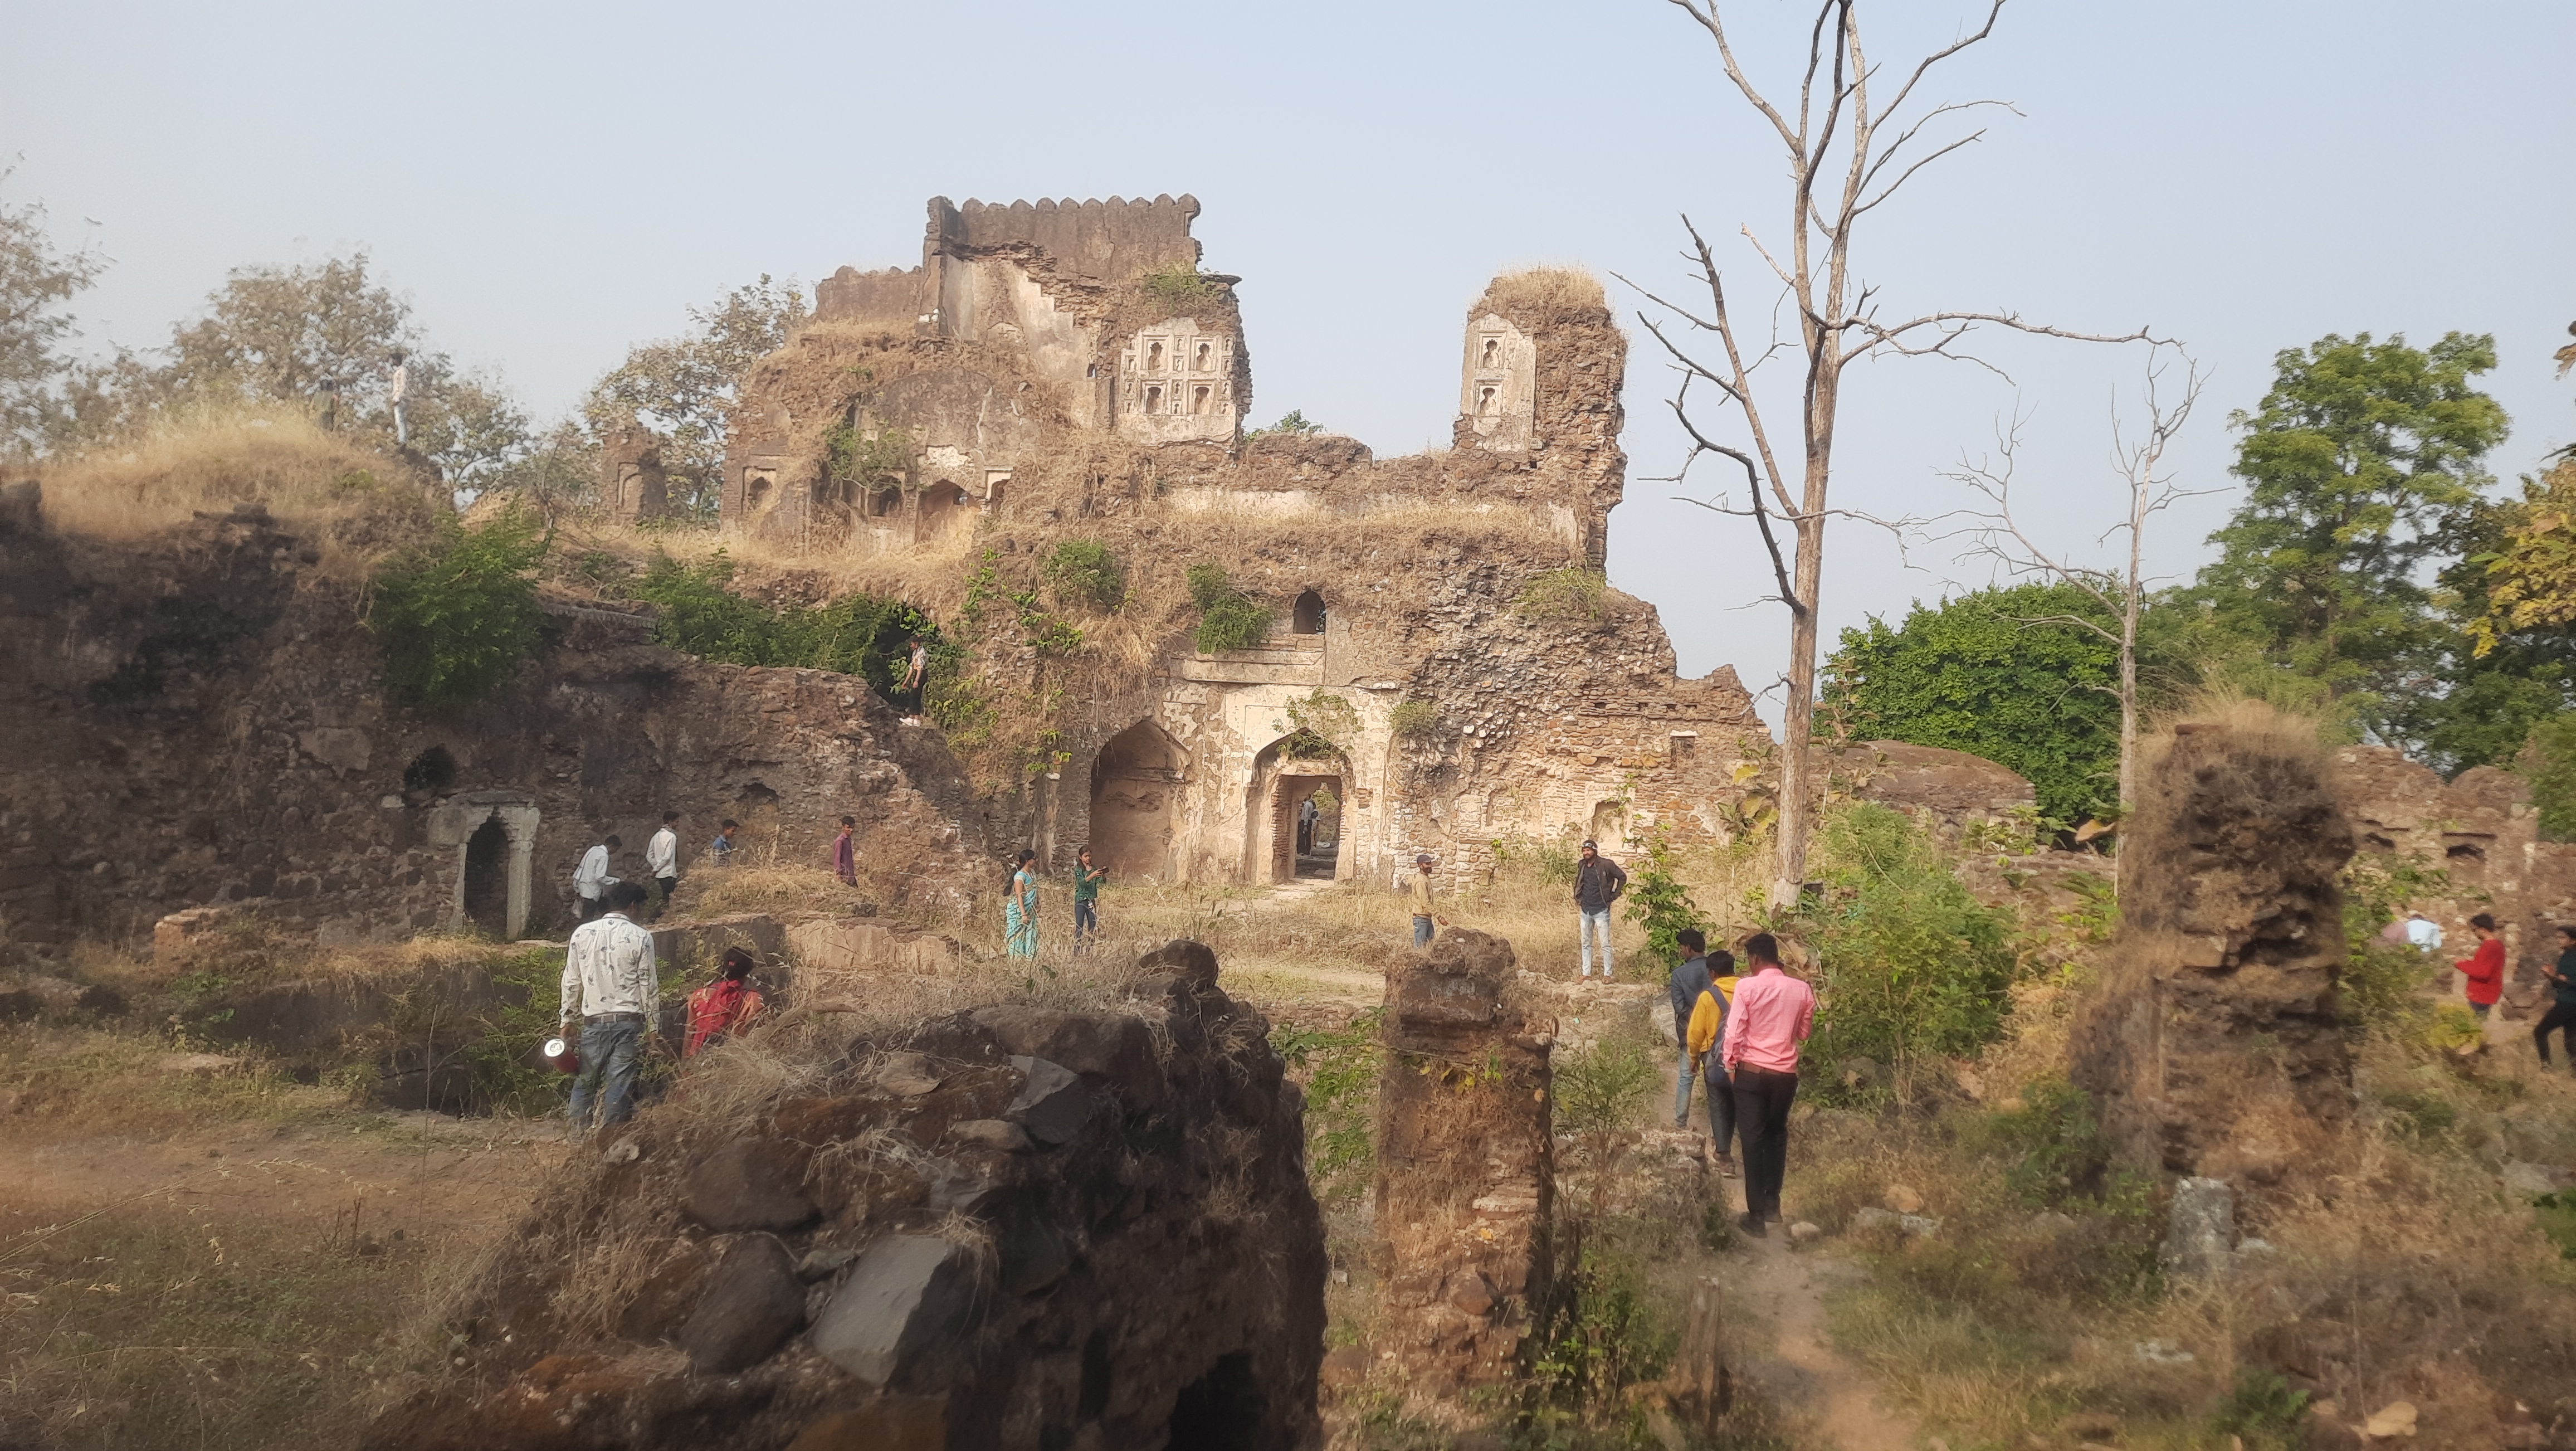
[{"x": 1709, "y": 982}]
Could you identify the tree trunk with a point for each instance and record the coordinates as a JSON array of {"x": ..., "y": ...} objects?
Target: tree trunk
[
  {"x": 1798, "y": 789},
  {"x": 1702, "y": 1389}
]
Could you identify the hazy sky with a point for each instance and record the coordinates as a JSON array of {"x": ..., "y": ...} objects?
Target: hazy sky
[{"x": 553, "y": 182}]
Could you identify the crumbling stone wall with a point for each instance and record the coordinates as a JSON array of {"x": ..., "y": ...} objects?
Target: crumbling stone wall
[
  {"x": 2215, "y": 1046},
  {"x": 199, "y": 718},
  {"x": 1015, "y": 1227},
  {"x": 1466, "y": 1164}
]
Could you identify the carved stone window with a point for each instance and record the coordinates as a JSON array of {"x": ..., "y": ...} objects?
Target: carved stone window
[
  {"x": 1204, "y": 357},
  {"x": 1154, "y": 357},
  {"x": 1200, "y": 398},
  {"x": 1154, "y": 400}
]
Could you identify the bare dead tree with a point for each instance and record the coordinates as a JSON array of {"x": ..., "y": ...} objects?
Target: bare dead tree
[
  {"x": 2140, "y": 462},
  {"x": 1848, "y": 154}
]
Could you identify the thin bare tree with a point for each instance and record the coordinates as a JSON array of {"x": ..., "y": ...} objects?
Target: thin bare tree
[
  {"x": 1848, "y": 154},
  {"x": 2140, "y": 462}
]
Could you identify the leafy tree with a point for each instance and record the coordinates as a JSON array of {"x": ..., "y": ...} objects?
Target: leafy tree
[
  {"x": 2003, "y": 674},
  {"x": 298, "y": 333},
  {"x": 683, "y": 388},
  {"x": 35, "y": 280},
  {"x": 2363, "y": 468},
  {"x": 1293, "y": 424},
  {"x": 1658, "y": 902},
  {"x": 457, "y": 615}
]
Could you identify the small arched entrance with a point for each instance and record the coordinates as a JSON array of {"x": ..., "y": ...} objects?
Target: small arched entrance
[
  {"x": 1293, "y": 812},
  {"x": 1135, "y": 801},
  {"x": 486, "y": 890}
]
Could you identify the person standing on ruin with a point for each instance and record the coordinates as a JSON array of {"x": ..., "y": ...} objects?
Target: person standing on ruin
[
  {"x": 1424, "y": 914},
  {"x": 662, "y": 862},
  {"x": 845, "y": 853},
  {"x": 591, "y": 881},
  {"x": 1020, "y": 909},
  {"x": 1086, "y": 899},
  {"x": 916, "y": 673},
  {"x": 611, "y": 990},
  {"x": 2484, "y": 968},
  {"x": 1598, "y": 882},
  {"x": 720, "y": 850},
  {"x": 1772, "y": 1014},
  {"x": 2561, "y": 1016}
]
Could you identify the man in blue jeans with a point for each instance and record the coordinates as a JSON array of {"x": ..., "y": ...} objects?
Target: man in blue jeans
[
  {"x": 1598, "y": 882},
  {"x": 612, "y": 989},
  {"x": 1424, "y": 915},
  {"x": 1712, "y": 974}
]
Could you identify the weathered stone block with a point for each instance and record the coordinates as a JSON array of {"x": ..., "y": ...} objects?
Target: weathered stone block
[
  {"x": 1052, "y": 1104},
  {"x": 172, "y": 934},
  {"x": 747, "y": 1184},
  {"x": 753, "y": 1303},
  {"x": 907, "y": 1298},
  {"x": 1114, "y": 1047}
]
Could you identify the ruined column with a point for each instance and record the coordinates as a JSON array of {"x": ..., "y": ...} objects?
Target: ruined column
[
  {"x": 2215, "y": 1046},
  {"x": 1464, "y": 1168},
  {"x": 632, "y": 484}
]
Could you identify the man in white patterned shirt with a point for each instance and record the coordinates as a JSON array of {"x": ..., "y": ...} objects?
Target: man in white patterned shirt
[{"x": 612, "y": 989}]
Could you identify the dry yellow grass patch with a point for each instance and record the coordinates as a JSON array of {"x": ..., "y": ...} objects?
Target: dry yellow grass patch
[
  {"x": 210, "y": 460},
  {"x": 1545, "y": 290}
]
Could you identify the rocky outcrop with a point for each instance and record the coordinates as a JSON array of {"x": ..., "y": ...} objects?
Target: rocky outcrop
[
  {"x": 1465, "y": 1164},
  {"x": 2215, "y": 1045},
  {"x": 1018, "y": 1226}
]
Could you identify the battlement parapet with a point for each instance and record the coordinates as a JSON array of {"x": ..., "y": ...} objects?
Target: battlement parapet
[{"x": 1109, "y": 240}]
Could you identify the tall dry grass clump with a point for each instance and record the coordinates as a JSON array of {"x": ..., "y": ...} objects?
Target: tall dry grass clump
[
  {"x": 211, "y": 459},
  {"x": 1546, "y": 292}
]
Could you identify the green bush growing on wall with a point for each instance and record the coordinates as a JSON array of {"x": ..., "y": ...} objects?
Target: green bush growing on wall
[
  {"x": 1570, "y": 596},
  {"x": 855, "y": 635},
  {"x": 856, "y": 456},
  {"x": 457, "y": 615},
  {"x": 1232, "y": 620},
  {"x": 1413, "y": 719},
  {"x": 1085, "y": 574}
]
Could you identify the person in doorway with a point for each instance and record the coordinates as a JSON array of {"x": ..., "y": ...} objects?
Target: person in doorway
[
  {"x": 662, "y": 863},
  {"x": 1425, "y": 916},
  {"x": 2423, "y": 933},
  {"x": 1771, "y": 1015},
  {"x": 1086, "y": 899},
  {"x": 2561, "y": 1016},
  {"x": 2483, "y": 968},
  {"x": 591, "y": 881},
  {"x": 1306, "y": 826},
  {"x": 1701, "y": 1034},
  {"x": 724, "y": 1006},
  {"x": 720, "y": 850},
  {"x": 1598, "y": 882},
  {"x": 612, "y": 991},
  {"x": 845, "y": 853},
  {"x": 907, "y": 696},
  {"x": 1020, "y": 909}
]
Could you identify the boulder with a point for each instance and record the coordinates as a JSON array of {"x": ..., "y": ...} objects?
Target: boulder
[
  {"x": 1116, "y": 1048},
  {"x": 747, "y": 1184},
  {"x": 829, "y": 948},
  {"x": 888, "y": 1423},
  {"x": 1052, "y": 1103},
  {"x": 753, "y": 1303},
  {"x": 1190, "y": 962},
  {"x": 905, "y": 1302},
  {"x": 989, "y": 1133},
  {"x": 172, "y": 935}
]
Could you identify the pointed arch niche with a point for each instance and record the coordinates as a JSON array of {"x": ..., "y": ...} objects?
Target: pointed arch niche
[
  {"x": 1136, "y": 785},
  {"x": 1279, "y": 784}
]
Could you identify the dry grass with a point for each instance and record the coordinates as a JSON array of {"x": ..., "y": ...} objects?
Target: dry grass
[
  {"x": 1545, "y": 293},
  {"x": 211, "y": 460}
]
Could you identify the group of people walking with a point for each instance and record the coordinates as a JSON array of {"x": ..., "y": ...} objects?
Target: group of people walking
[
  {"x": 1020, "y": 904},
  {"x": 1740, "y": 1037},
  {"x": 594, "y": 881}
]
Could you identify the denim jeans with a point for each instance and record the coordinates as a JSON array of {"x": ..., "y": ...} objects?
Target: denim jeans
[
  {"x": 1086, "y": 920},
  {"x": 1422, "y": 932},
  {"x": 1595, "y": 922},
  {"x": 1721, "y": 1099},
  {"x": 608, "y": 1050}
]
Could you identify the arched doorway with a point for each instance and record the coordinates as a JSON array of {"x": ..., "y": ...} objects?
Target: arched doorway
[
  {"x": 1135, "y": 802},
  {"x": 487, "y": 879},
  {"x": 942, "y": 504},
  {"x": 1284, "y": 840},
  {"x": 1306, "y": 617}
]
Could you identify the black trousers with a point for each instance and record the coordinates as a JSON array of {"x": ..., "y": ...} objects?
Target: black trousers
[
  {"x": 1721, "y": 1106},
  {"x": 2561, "y": 1017},
  {"x": 1762, "y": 1100}
]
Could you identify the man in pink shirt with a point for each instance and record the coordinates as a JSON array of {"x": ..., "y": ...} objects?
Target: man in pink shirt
[{"x": 1772, "y": 1014}]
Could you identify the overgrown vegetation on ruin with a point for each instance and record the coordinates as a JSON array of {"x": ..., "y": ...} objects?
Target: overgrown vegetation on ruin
[
  {"x": 457, "y": 614},
  {"x": 1229, "y": 619},
  {"x": 1085, "y": 575},
  {"x": 856, "y": 634},
  {"x": 1573, "y": 595}
]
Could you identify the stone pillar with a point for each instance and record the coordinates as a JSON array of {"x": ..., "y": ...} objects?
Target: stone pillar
[
  {"x": 519, "y": 823},
  {"x": 632, "y": 484},
  {"x": 2215, "y": 1046},
  {"x": 1465, "y": 1169}
]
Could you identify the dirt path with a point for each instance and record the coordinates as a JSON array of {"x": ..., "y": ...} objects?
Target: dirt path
[{"x": 1831, "y": 1397}]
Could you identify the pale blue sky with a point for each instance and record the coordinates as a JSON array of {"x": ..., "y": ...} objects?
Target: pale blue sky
[{"x": 551, "y": 183}]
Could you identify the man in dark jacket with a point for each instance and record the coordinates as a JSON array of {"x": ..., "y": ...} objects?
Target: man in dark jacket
[
  {"x": 1703, "y": 974},
  {"x": 1598, "y": 882},
  {"x": 2561, "y": 1016}
]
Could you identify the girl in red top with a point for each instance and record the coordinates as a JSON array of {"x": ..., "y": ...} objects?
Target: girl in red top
[
  {"x": 722, "y": 1006},
  {"x": 2485, "y": 969}
]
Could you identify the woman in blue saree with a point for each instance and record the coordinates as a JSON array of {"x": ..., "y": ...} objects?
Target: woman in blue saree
[{"x": 1020, "y": 909}]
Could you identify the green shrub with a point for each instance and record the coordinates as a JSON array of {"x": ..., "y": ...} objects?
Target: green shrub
[
  {"x": 1341, "y": 1071},
  {"x": 1178, "y": 285},
  {"x": 1233, "y": 621},
  {"x": 502, "y": 1061},
  {"x": 854, "y": 635},
  {"x": 1658, "y": 902},
  {"x": 855, "y": 456},
  {"x": 457, "y": 615},
  {"x": 1085, "y": 574},
  {"x": 1569, "y": 596},
  {"x": 2264, "y": 1411},
  {"x": 1912, "y": 964},
  {"x": 1294, "y": 424},
  {"x": 1414, "y": 719}
]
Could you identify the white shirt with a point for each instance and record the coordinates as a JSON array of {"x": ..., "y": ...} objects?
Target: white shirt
[
  {"x": 592, "y": 877},
  {"x": 2423, "y": 933},
  {"x": 662, "y": 854},
  {"x": 609, "y": 968}
]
